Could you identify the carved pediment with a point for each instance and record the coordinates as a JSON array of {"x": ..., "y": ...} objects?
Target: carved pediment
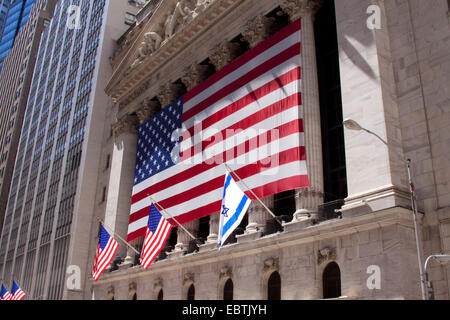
[
  {"x": 169, "y": 28},
  {"x": 154, "y": 36}
]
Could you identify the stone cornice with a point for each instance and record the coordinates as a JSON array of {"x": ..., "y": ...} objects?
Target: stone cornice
[
  {"x": 127, "y": 124},
  {"x": 127, "y": 84},
  {"x": 326, "y": 230}
]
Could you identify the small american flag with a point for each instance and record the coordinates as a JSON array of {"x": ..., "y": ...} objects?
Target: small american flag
[
  {"x": 17, "y": 293},
  {"x": 158, "y": 229},
  {"x": 249, "y": 115},
  {"x": 4, "y": 294},
  {"x": 106, "y": 249}
]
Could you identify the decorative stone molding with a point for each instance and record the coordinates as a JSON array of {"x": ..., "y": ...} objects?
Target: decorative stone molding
[
  {"x": 258, "y": 29},
  {"x": 225, "y": 273},
  {"x": 158, "y": 284},
  {"x": 194, "y": 74},
  {"x": 188, "y": 279},
  {"x": 127, "y": 124},
  {"x": 299, "y": 8},
  {"x": 169, "y": 93},
  {"x": 147, "y": 110},
  {"x": 224, "y": 53},
  {"x": 326, "y": 254},
  {"x": 127, "y": 84},
  {"x": 271, "y": 264}
]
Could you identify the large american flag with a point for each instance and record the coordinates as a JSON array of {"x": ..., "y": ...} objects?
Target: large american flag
[
  {"x": 158, "y": 229},
  {"x": 248, "y": 114},
  {"x": 106, "y": 249}
]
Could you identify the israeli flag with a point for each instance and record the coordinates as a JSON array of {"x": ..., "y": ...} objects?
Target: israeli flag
[{"x": 234, "y": 206}]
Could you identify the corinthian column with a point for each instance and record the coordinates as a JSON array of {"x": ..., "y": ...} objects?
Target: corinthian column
[
  {"x": 224, "y": 53},
  {"x": 148, "y": 108},
  {"x": 120, "y": 184},
  {"x": 194, "y": 74},
  {"x": 308, "y": 199},
  {"x": 169, "y": 93},
  {"x": 258, "y": 29},
  {"x": 255, "y": 31},
  {"x": 183, "y": 238}
]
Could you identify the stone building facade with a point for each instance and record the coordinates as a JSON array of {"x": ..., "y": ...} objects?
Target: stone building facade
[{"x": 393, "y": 77}]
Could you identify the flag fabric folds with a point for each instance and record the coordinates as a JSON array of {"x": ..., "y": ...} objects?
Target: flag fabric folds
[
  {"x": 17, "y": 292},
  {"x": 158, "y": 229},
  {"x": 234, "y": 206},
  {"x": 5, "y": 294},
  {"x": 248, "y": 114},
  {"x": 106, "y": 249}
]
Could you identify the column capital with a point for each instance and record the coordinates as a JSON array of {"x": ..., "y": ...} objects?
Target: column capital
[
  {"x": 224, "y": 53},
  {"x": 147, "y": 109},
  {"x": 258, "y": 29},
  {"x": 169, "y": 93},
  {"x": 301, "y": 8},
  {"x": 126, "y": 124},
  {"x": 194, "y": 74}
]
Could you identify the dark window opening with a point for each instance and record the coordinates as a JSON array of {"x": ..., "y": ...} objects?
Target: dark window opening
[
  {"x": 281, "y": 19},
  {"x": 191, "y": 292},
  {"x": 161, "y": 294},
  {"x": 243, "y": 45},
  {"x": 238, "y": 231},
  {"x": 331, "y": 281},
  {"x": 212, "y": 68},
  {"x": 228, "y": 290},
  {"x": 134, "y": 297},
  {"x": 333, "y": 147},
  {"x": 170, "y": 244},
  {"x": 203, "y": 228},
  {"x": 274, "y": 287},
  {"x": 181, "y": 89}
]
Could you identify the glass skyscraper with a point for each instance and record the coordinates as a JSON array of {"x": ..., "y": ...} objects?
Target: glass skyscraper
[
  {"x": 65, "y": 106},
  {"x": 15, "y": 18}
]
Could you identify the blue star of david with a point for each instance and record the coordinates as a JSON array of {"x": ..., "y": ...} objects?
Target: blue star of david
[{"x": 225, "y": 211}]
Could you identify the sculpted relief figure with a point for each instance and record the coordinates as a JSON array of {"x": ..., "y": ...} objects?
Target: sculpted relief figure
[
  {"x": 153, "y": 41},
  {"x": 181, "y": 15}
]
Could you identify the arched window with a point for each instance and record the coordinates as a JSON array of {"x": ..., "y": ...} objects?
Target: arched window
[
  {"x": 191, "y": 292},
  {"x": 134, "y": 297},
  {"x": 331, "y": 281},
  {"x": 160, "y": 294},
  {"x": 228, "y": 290},
  {"x": 274, "y": 286}
]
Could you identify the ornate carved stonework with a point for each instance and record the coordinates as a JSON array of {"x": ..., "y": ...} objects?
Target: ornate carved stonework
[
  {"x": 297, "y": 8},
  {"x": 158, "y": 284},
  {"x": 224, "y": 53},
  {"x": 188, "y": 278},
  {"x": 326, "y": 254},
  {"x": 225, "y": 272},
  {"x": 258, "y": 29},
  {"x": 194, "y": 74},
  {"x": 169, "y": 93},
  {"x": 182, "y": 14},
  {"x": 271, "y": 264},
  {"x": 175, "y": 28},
  {"x": 127, "y": 124},
  {"x": 147, "y": 109}
]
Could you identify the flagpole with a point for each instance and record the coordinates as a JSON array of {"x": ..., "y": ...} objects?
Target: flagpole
[
  {"x": 120, "y": 238},
  {"x": 165, "y": 211},
  {"x": 251, "y": 191}
]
